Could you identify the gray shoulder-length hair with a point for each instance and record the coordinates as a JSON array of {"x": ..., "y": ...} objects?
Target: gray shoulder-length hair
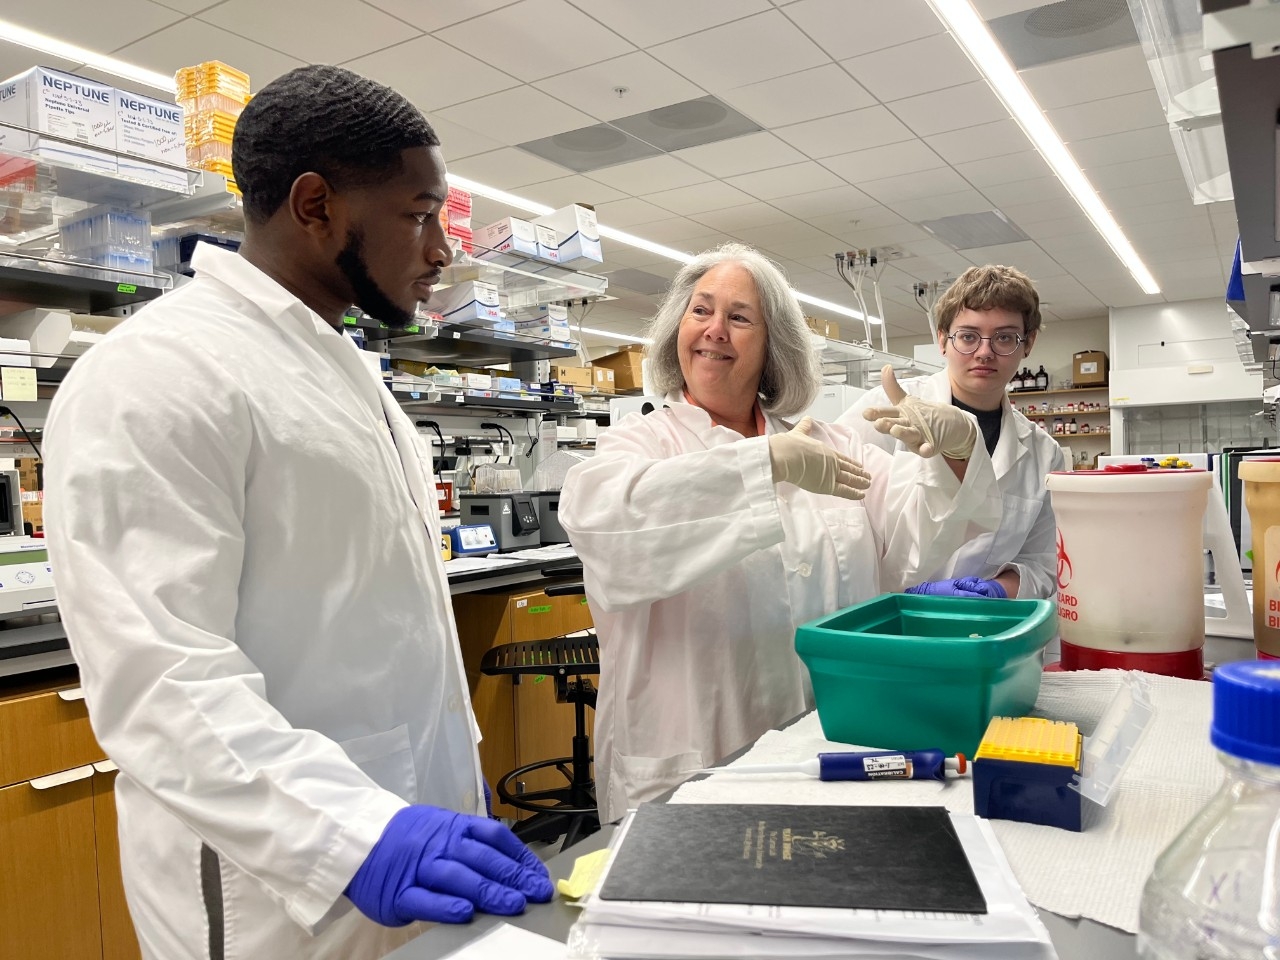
[{"x": 791, "y": 378}]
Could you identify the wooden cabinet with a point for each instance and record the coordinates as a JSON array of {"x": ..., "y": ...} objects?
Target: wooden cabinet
[
  {"x": 521, "y": 722},
  {"x": 60, "y": 889}
]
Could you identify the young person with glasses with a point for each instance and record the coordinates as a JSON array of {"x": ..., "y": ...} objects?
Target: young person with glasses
[{"x": 987, "y": 324}]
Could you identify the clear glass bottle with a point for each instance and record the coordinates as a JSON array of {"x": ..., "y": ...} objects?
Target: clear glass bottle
[{"x": 1215, "y": 891}]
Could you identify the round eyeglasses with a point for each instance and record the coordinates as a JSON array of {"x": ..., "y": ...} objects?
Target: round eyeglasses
[{"x": 1002, "y": 344}]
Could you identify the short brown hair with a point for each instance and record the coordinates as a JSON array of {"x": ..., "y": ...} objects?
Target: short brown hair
[{"x": 987, "y": 288}]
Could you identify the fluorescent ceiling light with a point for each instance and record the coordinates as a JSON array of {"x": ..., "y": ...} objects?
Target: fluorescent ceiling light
[
  {"x": 970, "y": 31},
  {"x": 613, "y": 335},
  {"x": 69, "y": 51},
  {"x": 493, "y": 193}
]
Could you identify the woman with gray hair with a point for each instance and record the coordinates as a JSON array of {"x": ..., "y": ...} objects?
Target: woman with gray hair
[{"x": 711, "y": 528}]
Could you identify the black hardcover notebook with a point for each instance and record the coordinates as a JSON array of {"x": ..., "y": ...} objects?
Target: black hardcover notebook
[{"x": 869, "y": 858}]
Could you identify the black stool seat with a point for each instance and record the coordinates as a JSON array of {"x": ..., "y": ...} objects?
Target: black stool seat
[{"x": 571, "y": 809}]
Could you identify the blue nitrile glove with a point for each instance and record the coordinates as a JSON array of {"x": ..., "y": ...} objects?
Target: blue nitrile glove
[
  {"x": 434, "y": 864},
  {"x": 488, "y": 799},
  {"x": 961, "y": 587}
]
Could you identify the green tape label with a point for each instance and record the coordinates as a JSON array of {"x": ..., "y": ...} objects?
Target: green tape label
[
  {"x": 539, "y": 678},
  {"x": 546, "y": 609},
  {"x": 126, "y": 288}
]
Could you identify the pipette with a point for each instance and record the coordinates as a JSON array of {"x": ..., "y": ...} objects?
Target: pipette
[{"x": 874, "y": 765}]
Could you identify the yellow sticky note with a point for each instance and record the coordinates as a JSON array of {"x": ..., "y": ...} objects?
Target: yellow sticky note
[
  {"x": 586, "y": 873},
  {"x": 17, "y": 383}
]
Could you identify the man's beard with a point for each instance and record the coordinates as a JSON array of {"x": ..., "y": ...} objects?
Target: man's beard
[{"x": 368, "y": 295}]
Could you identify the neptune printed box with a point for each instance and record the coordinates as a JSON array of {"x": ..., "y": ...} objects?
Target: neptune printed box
[{"x": 73, "y": 109}]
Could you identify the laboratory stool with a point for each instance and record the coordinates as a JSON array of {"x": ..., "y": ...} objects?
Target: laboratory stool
[{"x": 569, "y": 810}]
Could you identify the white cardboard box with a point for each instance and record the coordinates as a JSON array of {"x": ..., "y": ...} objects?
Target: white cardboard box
[
  {"x": 508, "y": 235},
  {"x": 152, "y": 130},
  {"x": 577, "y": 233},
  {"x": 66, "y": 106},
  {"x": 466, "y": 302},
  {"x": 548, "y": 243}
]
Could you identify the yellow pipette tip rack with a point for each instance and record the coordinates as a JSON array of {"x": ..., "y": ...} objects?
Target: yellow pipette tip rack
[{"x": 1031, "y": 740}]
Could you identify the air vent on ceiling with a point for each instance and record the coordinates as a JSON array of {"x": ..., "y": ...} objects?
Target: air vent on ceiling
[
  {"x": 968, "y": 230},
  {"x": 590, "y": 148},
  {"x": 1059, "y": 31}
]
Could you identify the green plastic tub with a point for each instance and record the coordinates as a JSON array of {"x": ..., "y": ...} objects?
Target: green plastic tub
[{"x": 907, "y": 672}]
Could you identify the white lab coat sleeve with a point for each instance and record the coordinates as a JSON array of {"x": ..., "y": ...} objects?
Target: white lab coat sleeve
[
  {"x": 1037, "y": 561},
  {"x": 864, "y": 428},
  {"x": 148, "y": 455},
  {"x": 650, "y": 521}
]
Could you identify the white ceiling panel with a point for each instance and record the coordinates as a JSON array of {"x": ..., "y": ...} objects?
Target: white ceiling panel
[
  {"x": 991, "y": 9},
  {"x": 787, "y": 181},
  {"x": 429, "y": 16},
  {"x": 820, "y": 245},
  {"x": 844, "y": 225},
  {"x": 1193, "y": 229},
  {"x": 1075, "y": 247},
  {"x": 910, "y": 156},
  {"x": 913, "y": 186},
  {"x": 1154, "y": 213},
  {"x": 188, "y": 6},
  {"x": 655, "y": 21},
  {"x": 1121, "y": 294},
  {"x": 361, "y": 28},
  {"x": 1011, "y": 167},
  {"x": 1063, "y": 291},
  {"x": 1025, "y": 191},
  {"x": 457, "y": 141},
  {"x": 850, "y": 28},
  {"x": 967, "y": 200},
  {"x": 98, "y": 26},
  {"x": 912, "y": 68},
  {"x": 1121, "y": 147},
  {"x": 566, "y": 190},
  {"x": 628, "y": 212},
  {"x": 15, "y": 59},
  {"x": 799, "y": 236},
  {"x": 837, "y": 200},
  {"x": 742, "y": 217},
  {"x": 1092, "y": 77},
  {"x": 708, "y": 241},
  {"x": 674, "y": 230},
  {"x": 517, "y": 115},
  {"x": 700, "y": 198},
  {"x": 746, "y": 51},
  {"x": 534, "y": 39},
  {"x": 649, "y": 84},
  {"x": 1043, "y": 211},
  {"x": 728, "y": 158},
  {"x": 935, "y": 267},
  {"x": 193, "y": 41},
  {"x": 1156, "y": 254},
  {"x": 507, "y": 168},
  {"x": 1141, "y": 194},
  {"x": 1179, "y": 287},
  {"x": 1048, "y": 229},
  {"x": 801, "y": 96},
  {"x": 1120, "y": 175},
  {"x": 977, "y": 143},
  {"x": 845, "y": 132},
  {"x": 901, "y": 233},
  {"x": 954, "y": 108},
  {"x": 426, "y": 71},
  {"x": 1026, "y": 256},
  {"x": 650, "y": 175},
  {"x": 1098, "y": 118}
]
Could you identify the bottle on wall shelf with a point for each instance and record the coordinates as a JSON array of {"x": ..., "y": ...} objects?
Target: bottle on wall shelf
[
  {"x": 1072, "y": 426},
  {"x": 1042, "y": 379},
  {"x": 1084, "y": 428}
]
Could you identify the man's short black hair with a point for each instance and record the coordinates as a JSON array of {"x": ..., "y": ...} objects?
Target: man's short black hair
[{"x": 325, "y": 120}]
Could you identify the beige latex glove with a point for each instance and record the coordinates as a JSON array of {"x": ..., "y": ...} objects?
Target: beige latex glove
[
  {"x": 811, "y": 465},
  {"x": 925, "y": 427}
]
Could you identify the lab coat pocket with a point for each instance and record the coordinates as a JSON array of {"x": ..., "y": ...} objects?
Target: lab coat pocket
[
  {"x": 387, "y": 759},
  {"x": 644, "y": 778},
  {"x": 855, "y": 555},
  {"x": 1017, "y": 516}
]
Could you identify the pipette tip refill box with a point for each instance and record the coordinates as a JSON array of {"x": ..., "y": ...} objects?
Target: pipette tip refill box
[
  {"x": 1024, "y": 770},
  {"x": 577, "y": 233},
  {"x": 150, "y": 129},
  {"x": 66, "y": 106},
  {"x": 466, "y": 302},
  {"x": 508, "y": 235}
]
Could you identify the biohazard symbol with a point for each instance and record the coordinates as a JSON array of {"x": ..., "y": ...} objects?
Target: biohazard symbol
[{"x": 1064, "y": 564}]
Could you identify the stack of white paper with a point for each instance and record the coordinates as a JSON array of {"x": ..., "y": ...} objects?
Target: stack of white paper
[{"x": 639, "y": 930}]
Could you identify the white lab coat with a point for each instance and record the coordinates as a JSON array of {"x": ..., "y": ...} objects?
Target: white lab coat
[
  {"x": 247, "y": 561},
  {"x": 699, "y": 568},
  {"x": 1024, "y": 456}
]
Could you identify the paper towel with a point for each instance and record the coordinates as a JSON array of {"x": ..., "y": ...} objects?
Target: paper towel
[{"x": 1097, "y": 873}]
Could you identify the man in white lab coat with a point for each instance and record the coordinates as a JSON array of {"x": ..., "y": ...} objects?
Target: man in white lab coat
[
  {"x": 711, "y": 528},
  {"x": 244, "y": 536},
  {"x": 987, "y": 321}
]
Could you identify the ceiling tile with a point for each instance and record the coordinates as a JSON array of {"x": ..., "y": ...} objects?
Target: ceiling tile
[
  {"x": 910, "y": 156},
  {"x": 1060, "y": 291},
  {"x": 797, "y": 97},
  {"x": 1075, "y": 247},
  {"x": 566, "y": 190},
  {"x": 1119, "y": 175},
  {"x": 1154, "y": 213},
  {"x": 97, "y": 26},
  {"x": 895, "y": 235},
  {"x": 426, "y": 71},
  {"x": 592, "y": 89},
  {"x": 188, "y": 7},
  {"x": 845, "y": 132},
  {"x": 943, "y": 205},
  {"x": 700, "y": 198},
  {"x": 742, "y": 217},
  {"x": 1026, "y": 256},
  {"x": 628, "y": 212},
  {"x": 429, "y": 16},
  {"x": 824, "y": 202},
  {"x": 1025, "y": 191},
  {"x": 915, "y": 186},
  {"x": 193, "y": 41},
  {"x": 755, "y": 151},
  {"x": 651, "y": 175},
  {"x": 775, "y": 235},
  {"x": 363, "y": 28},
  {"x": 673, "y": 230},
  {"x": 787, "y": 181},
  {"x": 1043, "y": 211},
  {"x": 977, "y": 143},
  {"x": 1092, "y": 77},
  {"x": 843, "y": 224},
  {"x": 746, "y": 51},
  {"x": 822, "y": 244},
  {"x": 655, "y": 21},
  {"x": 517, "y": 115},
  {"x": 457, "y": 141},
  {"x": 535, "y": 39},
  {"x": 991, "y": 9},
  {"x": 912, "y": 68},
  {"x": 507, "y": 168},
  {"x": 1098, "y": 118},
  {"x": 850, "y": 28},
  {"x": 1122, "y": 147},
  {"x": 1139, "y": 195},
  {"x": 954, "y": 108},
  {"x": 1064, "y": 227},
  {"x": 1009, "y": 168},
  {"x": 15, "y": 60},
  {"x": 1193, "y": 229}
]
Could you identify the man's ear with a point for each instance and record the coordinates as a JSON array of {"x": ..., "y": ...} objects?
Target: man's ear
[{"x": 312, "y": 203}]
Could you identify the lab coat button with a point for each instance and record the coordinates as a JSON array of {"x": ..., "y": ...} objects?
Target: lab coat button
[
  {"x": 804, "y": 569},
  {"x": 454, "y": 704},
  {"x": 469, "y": 800}
]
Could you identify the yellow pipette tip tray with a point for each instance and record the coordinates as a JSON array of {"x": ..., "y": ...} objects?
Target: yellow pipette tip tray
[
  {"x": 1025, "y": 769},
  {"x": 1031, "y": 740}
]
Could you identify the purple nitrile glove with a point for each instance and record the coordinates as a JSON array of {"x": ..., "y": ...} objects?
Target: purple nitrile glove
[
  {"x": 962, "y": 587},
  {"x": 434, "y": 864},
  {"x": 488, "y": 799}
]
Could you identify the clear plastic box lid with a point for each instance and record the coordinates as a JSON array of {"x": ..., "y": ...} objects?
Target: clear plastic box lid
[{"x": 1116, "y": 738}]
